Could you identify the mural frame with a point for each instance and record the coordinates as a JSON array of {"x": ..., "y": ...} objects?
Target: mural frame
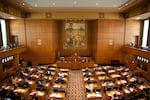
[{"x": 75, "y": 35}]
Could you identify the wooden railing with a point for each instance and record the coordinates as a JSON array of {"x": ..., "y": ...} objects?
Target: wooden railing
[
  {"x": 14, "y": 61},
  {"x": 131, "y": 59}
]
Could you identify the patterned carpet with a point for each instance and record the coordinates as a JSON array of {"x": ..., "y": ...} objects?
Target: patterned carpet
[{"x": 76, "y": 89}]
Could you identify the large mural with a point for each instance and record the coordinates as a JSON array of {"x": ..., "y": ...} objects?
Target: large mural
[{"x": 75, "y": 36}]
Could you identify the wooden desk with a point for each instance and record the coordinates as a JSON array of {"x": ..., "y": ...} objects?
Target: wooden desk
[
  {"x": 115, "y": 76},
  {"x": 141, "y": 87},
  {"x": 89, "y": 79},
  {"x": 22, "y": 92},
  {"x": 103, "y": 85},
  {"x": 94, "y": 85},
  {"x": 109, "y": 94},
  {"x": 93, "y": 96},
  {"x": 111, "y": 71},
  {"x": 9, "y": 87},
  {"x": 72, "y": 64},
  {"x": 124, "y": 74},
  {"x": 59, "y": 85},
  {"x": 57, "y": 96},
  {"x": 100, "y": 73},
  {"x": 132, "y": 79},
  {"x": 101, "y": 78},
  {"x": 119, "y": 82},
  {"x": 32, "y": 84},
  {"x": 41, "y": 95}
]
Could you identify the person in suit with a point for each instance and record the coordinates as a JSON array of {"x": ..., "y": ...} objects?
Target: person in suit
[
  {"x": 124, "y": 96},
  {"x": 39, "y": 85},
  {"x": 107, "y": 85},
  {"x": 86, "y": 74},
  {"x": 59, "y": 79},
  {"x": 3, "y": 92}
]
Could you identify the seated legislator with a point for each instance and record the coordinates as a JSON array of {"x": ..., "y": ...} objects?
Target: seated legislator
[
  {"x": 86, "y": 74},
  {"x": 89, "y": 88},
  {"x": 48, "y": 73},
  {"x": 39, "y": 84},
  {"x": 114, "y": 97},
  {"x": 59, "y": 79}
]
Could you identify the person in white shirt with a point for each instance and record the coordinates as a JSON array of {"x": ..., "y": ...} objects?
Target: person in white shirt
[
  {"x": 90, "y": 87},
  {"x": 61, "y": 74},
  {"x": 113, "y": 97}
]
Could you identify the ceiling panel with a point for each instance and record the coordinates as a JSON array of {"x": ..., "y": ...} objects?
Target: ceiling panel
[{"x": 75, "y": 3}]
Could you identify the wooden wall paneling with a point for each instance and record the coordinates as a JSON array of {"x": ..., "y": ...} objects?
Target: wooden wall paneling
[
  {"x": 17, "y": 27},
  {"x": 130, "y": 54},
  {"x": 60, "y": 37},
  {"x": 130, "y": 61},
  {"x": 15, "y": 52},
  {"x": 93, "y": 33},
  {"x": 118, "y": 45},
  {"x": 133, "y": 28},
  {"x": 111, "y": 25},
  {"x": 104, "y": 51},
  {"x": 110, "y": 40},
  {"x": 95, "y": 38},
  {"x": 100, "y": 33},
  {"x": 41, "y": 40}
]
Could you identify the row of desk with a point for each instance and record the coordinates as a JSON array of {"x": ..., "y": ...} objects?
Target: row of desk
[
  {"x": 59, "y": 89},
  {"x": 26, "y": 84},
  {"x": 100, "y": 80},
  {"x": 111, "y": 81},
  {"x": 92, "y": 87}
]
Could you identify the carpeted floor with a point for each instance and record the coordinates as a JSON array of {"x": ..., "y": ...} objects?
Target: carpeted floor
[{"x": 76, "y": 90}]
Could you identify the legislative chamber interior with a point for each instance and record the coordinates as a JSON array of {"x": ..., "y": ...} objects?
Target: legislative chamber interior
[{"x": 74, "y": 50}]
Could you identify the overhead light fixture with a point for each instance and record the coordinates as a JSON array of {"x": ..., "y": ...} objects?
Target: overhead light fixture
[
  {"x": 96, "y": 4},
  {"x": 137, "y": 18},
  {"x": 23, "y": 3},
  {"x": 11, "y": 17},
  {"x": 114, "y": 5},
  {"x": 126, "y": 4},
  {"x": 35, "y": 5},
  {"x": 75, "y": 2},
  {"x": 53, "y": 4}
]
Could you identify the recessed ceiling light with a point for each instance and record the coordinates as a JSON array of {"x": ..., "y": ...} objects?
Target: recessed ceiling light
[
  {"x": 126, "y": 4},
  {"x": 11, "y": 17},
  {"x": 96, "y": 4},
  {"x": 23, "y": 3},
  {"x": 114, "y": 5},
  {"x": 137, "y": 18},
  {"x": 35, "y": 5},
  {"x": 53, "y": 4},
  {"x": 75, "y": 2}
]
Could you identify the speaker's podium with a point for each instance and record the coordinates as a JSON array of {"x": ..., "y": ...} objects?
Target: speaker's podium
[{"x": 75, "y": 62}]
